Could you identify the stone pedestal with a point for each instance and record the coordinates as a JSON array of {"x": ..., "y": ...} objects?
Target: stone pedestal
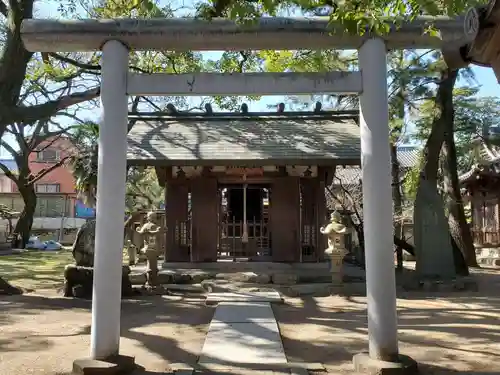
[
  {"x": 336, "y": 252},
  {"x": 336, "y": 257},
  {"x": 78, "y": 282},
  {"x": 132, "y": 254},
  {"x": 151, "y": 268},
  {"x": 402, "y": 365},
  {"x": 117, "y": 364}
]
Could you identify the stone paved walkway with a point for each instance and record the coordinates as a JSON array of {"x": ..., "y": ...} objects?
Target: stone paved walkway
[{"x": 243, "y": 333}]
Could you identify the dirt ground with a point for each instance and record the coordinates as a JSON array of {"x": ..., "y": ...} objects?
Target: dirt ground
[
  {"x": 43, "y": 333},
  {"x": 454, "y": 333}
]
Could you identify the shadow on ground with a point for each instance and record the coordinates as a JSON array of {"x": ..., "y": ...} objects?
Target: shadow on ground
[{"x": 42, "y": 334}]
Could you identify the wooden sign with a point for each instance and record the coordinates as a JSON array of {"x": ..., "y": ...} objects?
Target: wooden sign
[{"x": 243, "y": 171}]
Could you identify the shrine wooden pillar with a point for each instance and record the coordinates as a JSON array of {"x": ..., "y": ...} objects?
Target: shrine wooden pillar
[
  {"x": 313, "y": 214},
  {"x": 285, "y": 219},
  {"x": 205, "y": 223},
  {"x": 308, "y": 222},
  {"x": 176, "y": 206},
  {"x": 324, "y": 179}
]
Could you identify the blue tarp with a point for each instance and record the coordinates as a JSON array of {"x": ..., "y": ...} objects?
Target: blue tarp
[{"x": 83, "y": 211}]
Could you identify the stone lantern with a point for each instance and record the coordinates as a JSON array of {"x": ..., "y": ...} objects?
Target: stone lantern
[{"x": 336, "y": 232}]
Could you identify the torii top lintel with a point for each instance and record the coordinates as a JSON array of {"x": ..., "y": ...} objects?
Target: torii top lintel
[{"x": 274, "y": 33}]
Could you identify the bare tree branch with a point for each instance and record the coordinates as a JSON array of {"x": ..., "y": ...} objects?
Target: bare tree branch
[
  {"x": 45, "y": 171},
  {"x": 4, "y": 11},
  {"x": 29, "y": 115},
  {"x": 7, "y": 172},
  {"x": 87, "y": 66}
]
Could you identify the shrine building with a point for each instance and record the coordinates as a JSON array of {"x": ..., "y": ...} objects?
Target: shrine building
[{"x": 245, "y": 186}]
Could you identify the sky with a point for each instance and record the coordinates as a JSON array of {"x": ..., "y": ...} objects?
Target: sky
[{"x": 485, "y": 77}]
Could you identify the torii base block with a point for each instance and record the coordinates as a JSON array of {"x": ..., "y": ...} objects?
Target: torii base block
[
  {"x": 119, "y": 364},
  {"x": 405, "y": 365}
]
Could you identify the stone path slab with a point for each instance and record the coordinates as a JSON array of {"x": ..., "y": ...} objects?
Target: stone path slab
[
  {"x": 243, "y": 312},
  {"x": 243, "y": 333},
  {"x": 214, "y": 298}
]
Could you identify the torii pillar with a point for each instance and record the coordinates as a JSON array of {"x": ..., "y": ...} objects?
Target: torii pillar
[
  {"x": 108, "y": 255},
  {"x": 378, "y": 218}
]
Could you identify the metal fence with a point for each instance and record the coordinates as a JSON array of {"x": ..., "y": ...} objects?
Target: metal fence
[
  {"x": 231, "y": 245},
  {"x": 48, "y": 205}
]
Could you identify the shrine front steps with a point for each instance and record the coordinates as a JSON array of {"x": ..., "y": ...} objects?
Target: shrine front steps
[
  {"x": 253, "y": 273},
  {"x": 488, "y": 256},
  {"x": 297, "y": 290}
]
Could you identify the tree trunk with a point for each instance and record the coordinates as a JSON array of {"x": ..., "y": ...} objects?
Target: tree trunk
[
  {"x": 402, "y": 244},
  {"x": 25, "y": 222},
  {"x": 434, "y": 144},
  {"x": 396, "y": 178},
  {"x": 436, "y": 138},
  {"x": 7, "y": 289},
  {"x": 397, "y": 199},
  {"x": 459, "y": 229}
]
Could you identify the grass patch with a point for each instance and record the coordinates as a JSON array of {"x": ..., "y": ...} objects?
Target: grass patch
[{"x": 36, "y": 269}]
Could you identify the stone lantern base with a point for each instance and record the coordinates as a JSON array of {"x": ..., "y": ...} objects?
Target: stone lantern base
[{"x": 336, "y": 257}]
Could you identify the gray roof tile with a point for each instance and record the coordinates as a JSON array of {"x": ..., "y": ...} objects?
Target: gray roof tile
[
  {"x": 351, "y": 175},
  {"x": 326, "y": 137}
]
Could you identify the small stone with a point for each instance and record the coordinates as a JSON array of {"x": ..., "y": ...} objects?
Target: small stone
[
  {"x": 258, "y": 278},
  {"x": 139, "y": 278},
  {"x": 67, "y": 290},
  {"x": 460, "y": 285},
  {"x": 198, "y": 277},
  {"x": 163, "y": 278},
  {"x": 185, "y": 288},
  {"x": 309, "y": 289},
  {"x": 412, "y": 284},
  {"x": 429, "y": 286},
  {"x": 154, "y": 290},
  {"x": 208, "y": 286},
  {"x": 217, "y": 286},
  {"x": 447, "y": 287},
  {"x": 284, "y": 278},
  {"x": 471, "y": 285},
  {"x": 182, "y": 278},
  {"x": 79, "y": 291}
]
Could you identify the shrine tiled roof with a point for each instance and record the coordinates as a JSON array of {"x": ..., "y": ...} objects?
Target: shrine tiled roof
[
  {"x": 486, "y": 159},
  {"x": 324, "y": 138},
  {"x": 408, "y": 157}
]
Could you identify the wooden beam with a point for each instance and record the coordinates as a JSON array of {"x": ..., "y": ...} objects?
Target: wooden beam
[
  {"x": 492, "y": 48},
  {"x": 199, "y": 84},
  {"x": 495, "y": 64},
  {"x": 161, "y": 174},
  {"x": 271, "y": 33},
  {"x": 324, "y": 162}
]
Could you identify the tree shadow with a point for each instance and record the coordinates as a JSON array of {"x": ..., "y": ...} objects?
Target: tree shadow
[
  {"x": 449, "y": 332},
  {"x": 287, "y": 137},
  {"x": 456, "y": 332}
]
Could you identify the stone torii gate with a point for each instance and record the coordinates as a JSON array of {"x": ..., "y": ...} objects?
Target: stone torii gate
[{"x": 115, "y": 37}]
